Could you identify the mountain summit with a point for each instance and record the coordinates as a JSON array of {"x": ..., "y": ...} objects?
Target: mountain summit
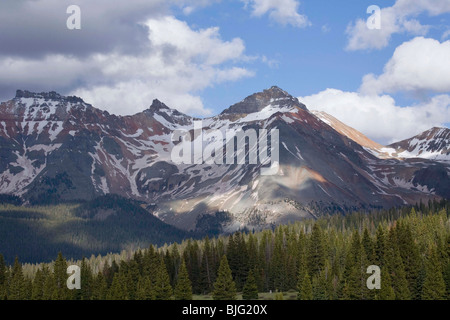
[
  {"x": 55, "y": 148},
  {"x": 52, "y": 95},
  {"x": 430, "y": 144},
  {"x": 274, "y": 96}
]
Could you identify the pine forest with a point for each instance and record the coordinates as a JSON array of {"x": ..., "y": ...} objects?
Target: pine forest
[{"x": 323, "y": 259}]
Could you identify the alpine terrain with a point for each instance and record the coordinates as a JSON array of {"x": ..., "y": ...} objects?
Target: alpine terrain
[{"x": 61, "y": 149}]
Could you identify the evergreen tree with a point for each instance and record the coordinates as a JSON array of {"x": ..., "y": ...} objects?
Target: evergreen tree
[
  {"x": 316, "y": 251},
  {"x": 238, "y": 259},
  {"x": 224, "y": 287},
  {"x": 150, "y": 262},
  {"x": 253, "y": 252},
  {"x": 37, "y": 291},
  {"x": 395, "y": 268},
  {"x": 353, "y": 284},
  {"x": 434, "y": 284},
  {"x": 28, "y": 288},
  {"x": 17, "y": 289},
  {"x": 305, "y": 292},
  {"x": 192, "y": 260},
  {"x": 132, "y": 278},
  {"x": 49, "y": 286},
  {"x": 100, "y": 287},
  {"x": 291, "y": 261},
  {"x": 85, "y": 293},
  {"x": 183, "y": 288},
  {"x": 139, "y": 258},
  {"x": 380, "y": 246},
  {"x": 109, "y": 271},
  {"x": 145, "y": 289},
  {"x": 2, "y": 278},
  {"x": 61, "y": 292},
  {"x": 163, "y": 289},
  {"x": 173, "y": 262},
  {"x": 118, "y": 289},
  {"x": 409, "y": 253},
  {"x": 302, "y": 269},
  {"x": 418, "y": 289},
  {"x": 208, "y": 266},
  {"x": 264, "y": 258},
  {"x": 320, "y": 287},
  {"x": 386, "y": 292},
  {"x": 369, "y": 246},
  {"x": 250, "y": 291},
  {"x": 412, "y": 250},
  {"x": 278, "y": 270},
  {"x": 446, "y": 271}
]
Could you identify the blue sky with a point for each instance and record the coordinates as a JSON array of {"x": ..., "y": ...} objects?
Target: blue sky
[
  {"x": 201, "y": 56},
  {"x": 307, "y": 60}
]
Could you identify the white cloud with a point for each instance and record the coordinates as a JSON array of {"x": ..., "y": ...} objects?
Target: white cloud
[
  {"x": 421, "y": 66},
  {"x": 271, "y": 63},
  {"x": 400, "y": 18},
  {"x": 361, "y": 37},
  {"x": 325, "y": 28},
  {"x": 432, "y": 7},
  {"x": 418, "y": 65},
  {"x": 188, "y": 10},
  {"x": 181, "y": 62},
  {"x": 445, "y": 35},
  {"x": 34, "y": 28},
  {"x": 379, "y": 117},
  {"x": 52, "y": 70},
  {"x": 132, "y": 96},
  {"x": 205, "y": 43},
  {"x": 189, "y": 6},
  {"x": 284, "y": 12}
]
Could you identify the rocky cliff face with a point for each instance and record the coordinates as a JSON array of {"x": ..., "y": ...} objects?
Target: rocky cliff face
[
  {"x": 432, "y": 144},
  {"x": 56, "y": 148}
]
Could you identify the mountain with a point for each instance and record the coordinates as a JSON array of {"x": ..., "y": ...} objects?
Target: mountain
[
  {"x": 351, "y": 133},
  {"x": 57, "y": 149},
  {"x": 431, "y": 144},
  {"x": 106, "y": 224}
]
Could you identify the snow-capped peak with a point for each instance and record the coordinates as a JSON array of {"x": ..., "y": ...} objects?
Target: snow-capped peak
[
  {"x": 273, "y": 97},
  {"x": 431, "y": 144},
  {"x": 44, "y": 106}
]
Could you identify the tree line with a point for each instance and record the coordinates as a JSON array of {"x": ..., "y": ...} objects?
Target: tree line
[{"x": 324, "y": 259}]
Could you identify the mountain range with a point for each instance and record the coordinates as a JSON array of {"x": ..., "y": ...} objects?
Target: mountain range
[{"x": 56, "y": 149}]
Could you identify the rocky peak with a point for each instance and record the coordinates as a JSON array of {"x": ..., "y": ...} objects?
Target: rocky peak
[
  {"x": 256, "y": 102},
  {"x": 438, "y": 132},
  {"x": 430, "y": 144},
  {"x": 52, "y": 95},
  {"x": 276, "y": 92},
  {"x": 161, "y": 111},
  {"x": 158, "y": 106},
  {"x": 50, "y": 106}
]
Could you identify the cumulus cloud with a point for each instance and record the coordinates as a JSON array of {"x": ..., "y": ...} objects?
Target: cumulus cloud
[
  {"x": 38, "y": 27},
  {"x": 445, "y": 35},
  {"x": 182, "y": 61},
  {"x": 419, "y": 65},
  {"x": 284, "y": 12},
  {"x": 400, "y": 18},
  {"x": 174, "y": 62},
  {"x": 34, "y": 28},
  {"x": 379, "y": 117}
]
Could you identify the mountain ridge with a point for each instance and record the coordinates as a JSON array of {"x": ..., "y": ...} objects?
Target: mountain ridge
[
  {"x": 74, "y": 150},
  {"x": 440, "y": 149}
]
